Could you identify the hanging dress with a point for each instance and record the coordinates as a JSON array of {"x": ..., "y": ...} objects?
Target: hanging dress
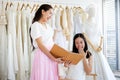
[
  {"x": 70, "y": 27},
  {"x": 78, "y": 28},
  {"x": 12, "y": 54},
  {"x": 60, "y": 39},
  {"x": 25, "y": 39},
  {"x": 21, "y": 72},
  {"x": 3, "y": 46},
  {"x": 29, "y": 22}
]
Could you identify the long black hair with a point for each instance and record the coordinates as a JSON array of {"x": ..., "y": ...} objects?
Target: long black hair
[
  {"x": 37, "y": 17},
  {"x": 86, "y": 46}
]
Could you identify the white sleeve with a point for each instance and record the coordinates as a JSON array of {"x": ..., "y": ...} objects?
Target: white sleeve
[{"x": 35, "y": 31}]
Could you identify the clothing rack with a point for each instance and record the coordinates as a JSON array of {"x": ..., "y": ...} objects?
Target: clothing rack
[{"x": 37, "y": 3}]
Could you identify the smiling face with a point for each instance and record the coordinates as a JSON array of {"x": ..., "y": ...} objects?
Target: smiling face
[
  {"x": 79, "y": 43},
  {"x": 46, "y": 15}
]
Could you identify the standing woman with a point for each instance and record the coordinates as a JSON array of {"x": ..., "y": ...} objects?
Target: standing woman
[{"x": 44, "y": 66}]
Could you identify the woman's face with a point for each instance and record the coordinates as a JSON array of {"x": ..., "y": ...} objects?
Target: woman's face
[
  {"x": 79, "y": 43},
  {"x": 47, "y": 14}
]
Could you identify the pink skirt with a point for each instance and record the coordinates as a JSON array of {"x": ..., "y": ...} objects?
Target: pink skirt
[{"x": 43, "y": 68}]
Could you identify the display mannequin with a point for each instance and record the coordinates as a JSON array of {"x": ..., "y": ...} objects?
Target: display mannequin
[{"x": 95, "y": 40}]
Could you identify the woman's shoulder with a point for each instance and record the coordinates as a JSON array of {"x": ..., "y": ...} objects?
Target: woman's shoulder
[{"x": 35, "y": 24}]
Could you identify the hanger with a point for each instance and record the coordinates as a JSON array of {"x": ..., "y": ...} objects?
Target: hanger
[
  {"x": 80, "y": 10},
  {"x": 6, "y": 6},
  {"x": 74, "y": 9},
  {"x": 67, "y": 8},
  {"x": 33, "y": 8},
  {"x": 28, "y": 6},
  {"x": 2, "y": 9},
  {"x": 11, "y": 4},
  {"x": 55, "y": 6},
  {"x": 61, "y": 7},
  {"x": 37, "y": 7},
  {"x": 18, "y": 6},
  {"x": 23, "y": 5},
  {"x": 3, "y": 20}
]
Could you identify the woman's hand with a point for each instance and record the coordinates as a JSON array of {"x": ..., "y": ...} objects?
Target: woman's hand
[
  {"x": 67, "y": 63},
  {"x": 59, "y": 60}
]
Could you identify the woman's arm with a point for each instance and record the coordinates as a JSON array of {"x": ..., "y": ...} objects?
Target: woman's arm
[
  {"x": 88, "y": 65},
  {"x": 45, "y": 50}
]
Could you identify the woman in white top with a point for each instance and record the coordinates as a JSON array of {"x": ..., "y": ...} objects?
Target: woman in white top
[
  {"x": 44, "y": 65},
  {"x": 79, "y": 71}
]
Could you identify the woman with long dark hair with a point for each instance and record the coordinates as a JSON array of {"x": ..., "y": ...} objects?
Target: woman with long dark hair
[
  {"x": 44, "y": 65},
  {"x": 79, "y": 71}
]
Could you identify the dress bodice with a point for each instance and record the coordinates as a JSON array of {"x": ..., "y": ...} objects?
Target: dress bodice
[
  {"x": 92, "y": 31},
  {"x": 78, "y": 28}
]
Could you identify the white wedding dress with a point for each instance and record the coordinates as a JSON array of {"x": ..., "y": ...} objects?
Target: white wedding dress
[
  {"x": 100, "y": 64},
  {"x": 60, "y": 40},
  {"x": 3, "y": 48},
  {"x": 12, "y": 53}
]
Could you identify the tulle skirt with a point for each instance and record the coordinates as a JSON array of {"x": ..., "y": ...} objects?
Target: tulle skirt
[{"x": 43, "y": 68}]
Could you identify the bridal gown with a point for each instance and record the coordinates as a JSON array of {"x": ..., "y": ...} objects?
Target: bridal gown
[
  {"x": 28, "y": 23},
  {"x": 78, "y": 28},
  {"x": 12, "y": 54},
  {"x": 70, "y": 27},
  {"x": 60, "y": 39},
  {"x": 21, "y": 72},
  {"x": 25, "y": 40},
  {"x": 64, "y": 25},
  {"x": 3, "y": 47},
  {"x": 100, "y": 64}
]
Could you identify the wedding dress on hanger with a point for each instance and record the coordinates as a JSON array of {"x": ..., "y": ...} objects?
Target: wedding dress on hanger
[
  {"x": 78, "y": 28},
  {"x": 21, "y": 72},
  {"x": 3, "y": 45},
  {"x": 100, "y": 64},
  {"x": 12, "y": 54},
  {"x": 59, "y": 38},
  {"x": 70, "y": 27}
]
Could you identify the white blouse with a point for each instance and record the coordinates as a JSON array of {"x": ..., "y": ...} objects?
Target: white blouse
[{"x": 37, "y": 30}]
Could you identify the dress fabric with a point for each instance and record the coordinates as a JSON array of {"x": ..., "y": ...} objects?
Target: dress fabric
[
  {"x": 12, "y": 54},
  {"x": 3, "y": 48},
  {"x": 60, "y": 40},
  {"x": 43, "y": 68},
  {"x": 25, "y": 39},
  {"x": 70, "y": 27},
  {"x": 100, "y": 64},
  {"x": 76, "y": 72},
  {"x": 21, "y": 72},
  {"x": 78, "y": 28}
]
